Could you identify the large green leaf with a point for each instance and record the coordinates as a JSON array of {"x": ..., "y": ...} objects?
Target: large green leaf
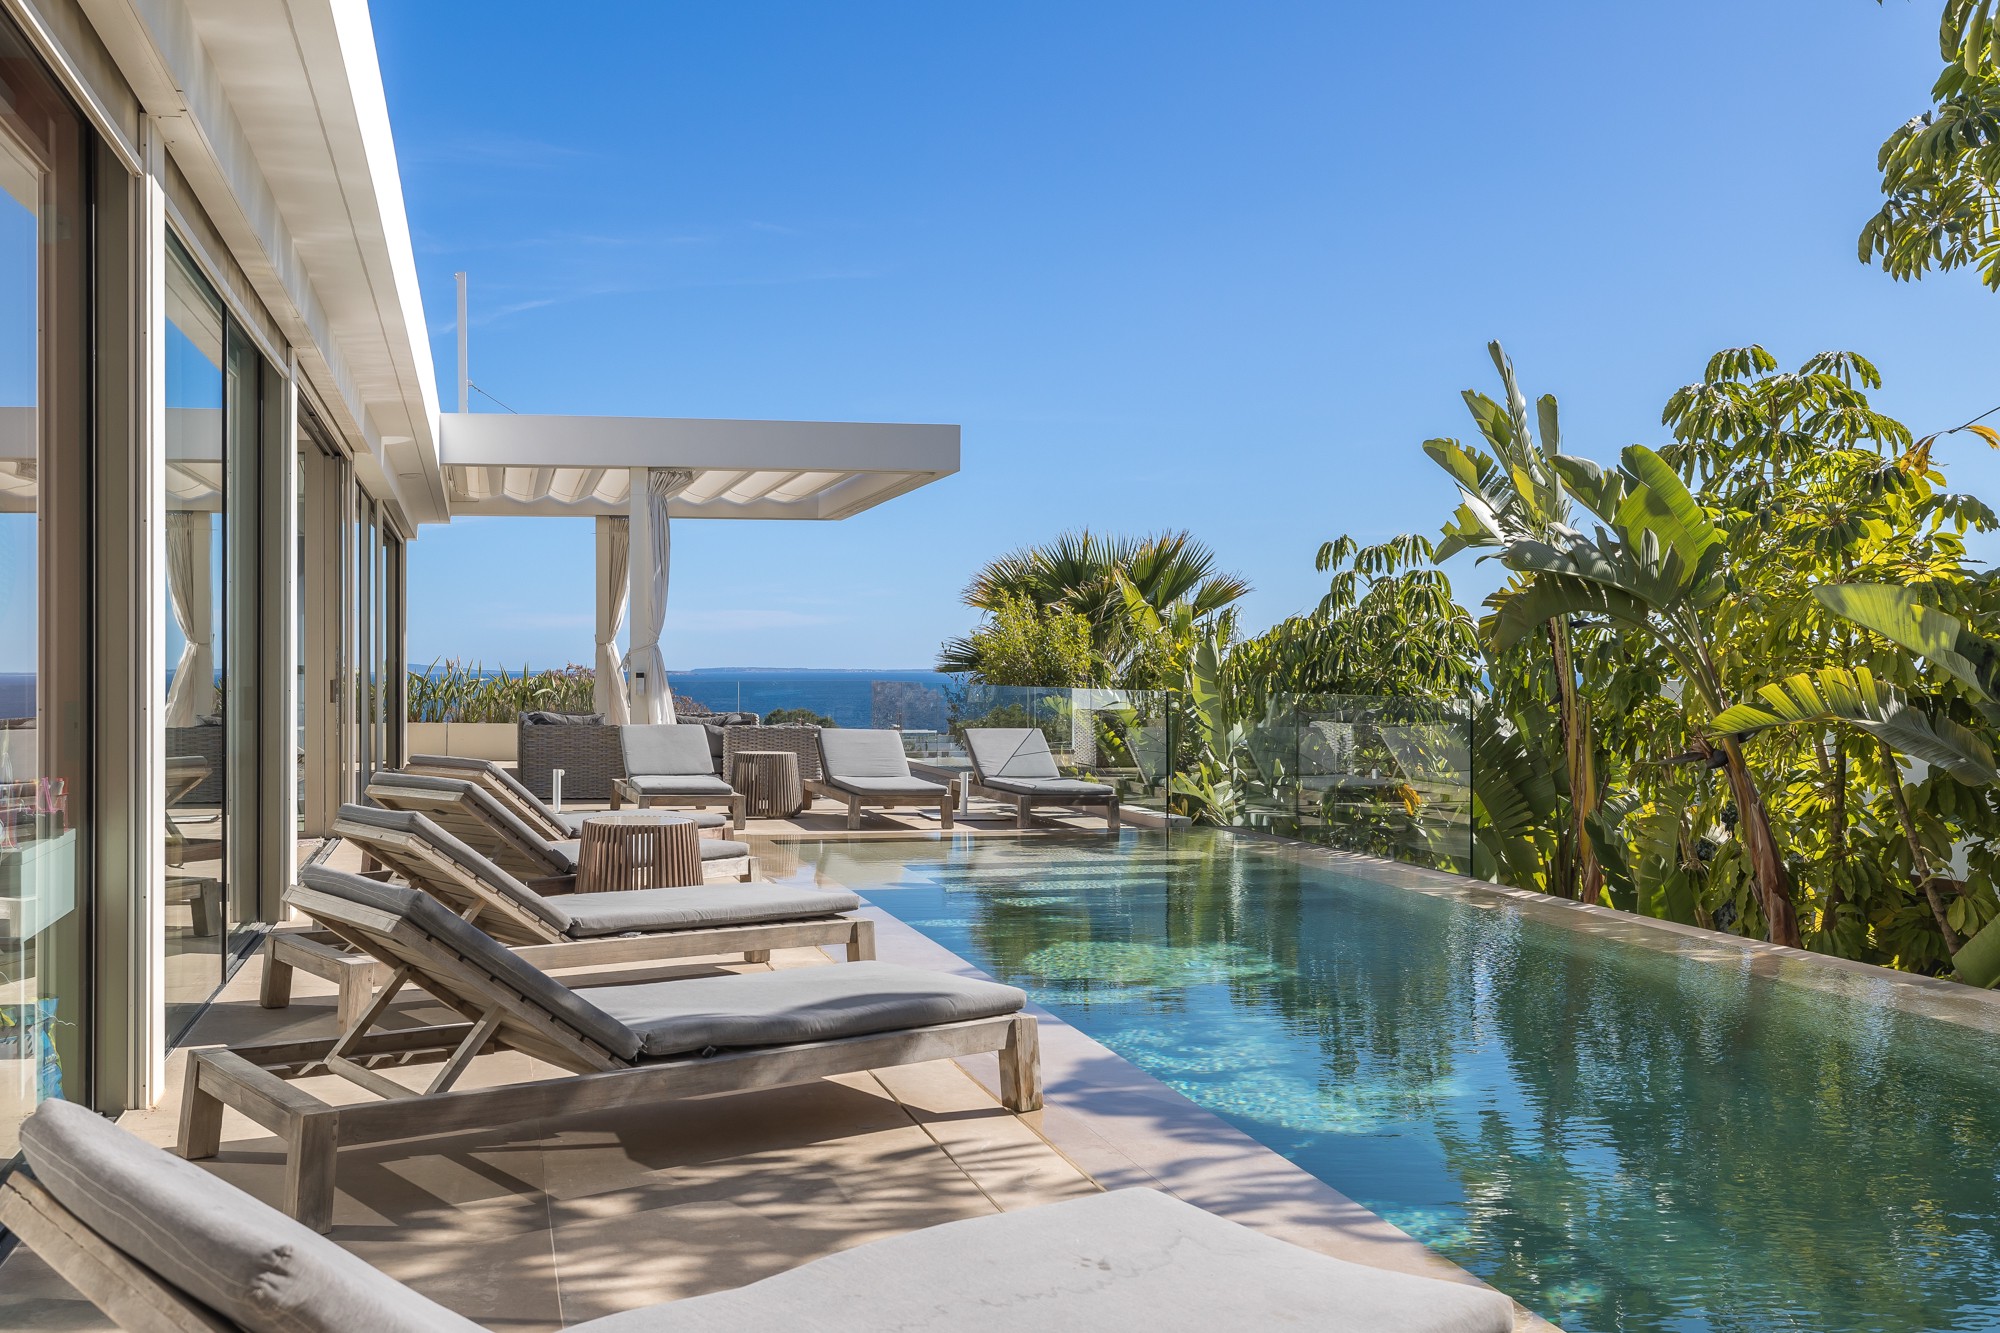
[
  {"x": 1897, "y": 615},
  {"x": 1876, "y": 707},
  {"x": 1658, "y": 501},
  {"x": 1519, "y": 612}
]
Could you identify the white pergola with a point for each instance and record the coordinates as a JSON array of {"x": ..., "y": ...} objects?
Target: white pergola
[{"x": 635, "y": 474}]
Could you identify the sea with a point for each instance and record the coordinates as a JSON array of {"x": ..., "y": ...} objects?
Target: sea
[{"x": 911, "y": 699}]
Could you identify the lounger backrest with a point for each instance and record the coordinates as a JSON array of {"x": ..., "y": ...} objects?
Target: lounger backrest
[
  {"x": 665, "y": 750},
  {"x": 226, "y": 1251},
  {"x": 1010, "y": 752},
  {"x": 500, "y": 784},
  {"x": 465, "y": 968},
  {"x": 428, "y": 858},
  {"x": 467, "y": 812},
  {"x": 857, "y": 752}
]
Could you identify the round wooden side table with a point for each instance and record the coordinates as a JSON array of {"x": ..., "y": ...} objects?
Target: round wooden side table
[
  {"x": 769, "y": 781},
  {"x": 638, "y": 849}
]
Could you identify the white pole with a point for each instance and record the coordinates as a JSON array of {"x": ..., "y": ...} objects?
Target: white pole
[{"x": 464, "y": 357}]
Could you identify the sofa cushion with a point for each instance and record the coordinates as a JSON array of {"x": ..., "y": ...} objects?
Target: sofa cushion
[
  {"x": 693, "y": 908},
  {"x": 722, "y": 849},
  {"x": 241, "y": 1258},
  {"x": 1010, "y": 752},
  {"x": 668, "y": 749},
  {"x": 797, "y": 1004},
  {"x": 1133, "y": 1259},
  {"x": 856, "y": 752},
  {"x": 474, "y": 945},
  {"x": 543, "y": 718}
]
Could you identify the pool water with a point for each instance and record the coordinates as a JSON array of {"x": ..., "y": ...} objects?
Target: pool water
[{"x": 1620, "y": 1136}]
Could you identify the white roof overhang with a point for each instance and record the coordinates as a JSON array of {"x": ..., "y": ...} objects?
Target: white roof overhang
[
  {"x": 275, "y": 112},
  {"x": 498, "y": 463}
]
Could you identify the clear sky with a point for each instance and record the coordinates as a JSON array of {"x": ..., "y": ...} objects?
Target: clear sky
[{"x": 1220, "y": 267}]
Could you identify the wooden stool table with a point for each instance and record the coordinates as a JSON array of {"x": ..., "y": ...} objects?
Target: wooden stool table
[
  {"x": 638, "y": 849},
  {"x": 769, "y": 781}
]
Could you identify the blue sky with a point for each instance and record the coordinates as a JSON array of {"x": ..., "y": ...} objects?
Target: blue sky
[{"x": 1169, "y": 265}]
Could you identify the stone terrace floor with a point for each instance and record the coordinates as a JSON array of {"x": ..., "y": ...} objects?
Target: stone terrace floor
[{"x": 537, "y": 1226}]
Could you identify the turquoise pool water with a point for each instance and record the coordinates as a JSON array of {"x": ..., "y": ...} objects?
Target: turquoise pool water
[{"x": 1619, "y": 1137}]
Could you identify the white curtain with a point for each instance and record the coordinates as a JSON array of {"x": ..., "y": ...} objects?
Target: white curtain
[
  {"x": 614, "y": 541},
  {"x": 193, "y": 690},
  {"x": 652, "y": 698}
]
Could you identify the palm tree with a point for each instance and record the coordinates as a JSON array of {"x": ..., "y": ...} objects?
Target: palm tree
[{"x": 1089, "y": 574}]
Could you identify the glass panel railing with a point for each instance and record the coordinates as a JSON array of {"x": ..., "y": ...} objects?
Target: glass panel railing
[{"x": 1384, "y": 777}]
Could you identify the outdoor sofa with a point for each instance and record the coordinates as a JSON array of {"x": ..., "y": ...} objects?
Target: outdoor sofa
[
  {"x": 464, "y": 810},
  {"x": 511, "y": 792},
  {"x": 672, "y": 764},
  {"x": 631, "y": 1043},
  {"x": 865, "y": 768},
  {"x": 1014, "y": 764},
  {"x": 161, "y": 1245},
  {"x": 564, "y": 930}
]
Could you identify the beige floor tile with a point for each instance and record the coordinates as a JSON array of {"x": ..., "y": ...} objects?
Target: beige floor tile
[{"x": 1005, "y": 1157}]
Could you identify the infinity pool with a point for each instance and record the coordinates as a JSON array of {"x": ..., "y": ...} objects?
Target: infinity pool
[{"x": 1621, "y": 1135}]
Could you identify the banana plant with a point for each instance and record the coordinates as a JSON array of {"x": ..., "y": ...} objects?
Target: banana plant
[
  {"x": 1512, "y": 495},
  {"x": 1946, "y": 642},
  {"x": 1656, "y": 565}
]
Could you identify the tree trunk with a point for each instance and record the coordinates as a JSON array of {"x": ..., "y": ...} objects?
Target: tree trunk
[
  {"x": 1585, "y": 880},
  {"x": 1774, "y": 887}
]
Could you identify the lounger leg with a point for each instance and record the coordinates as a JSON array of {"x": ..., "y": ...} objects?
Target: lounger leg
[
  {"x": 944, "y": 810},
  {"x": 1021, "y": 1067},
  {"x": 853, "y": 813},
  {"x": 861, "y": 944},
  {"x": 357, "y": 988},
  {"x": 1111, "y": 815},
  {"x": 736, "y": 804},
  {"x": 756, "y": 955},
  {"x": 1022, "y": 817},
  {"x": 201, "y": 1115},
  {"x": 752, "y": 868},
  {"x": 314, "y": 1148},
  {"x": 274, "y": 991}
]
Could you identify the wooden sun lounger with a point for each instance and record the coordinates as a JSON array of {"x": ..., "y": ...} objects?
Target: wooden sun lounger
[
  {"x": 428, "y": 859},
  {"x": 464, "y": 809},
  {"x": 1014, "y": 766},
  {"x": 509, "y": 1003},
  {"x": 866, "y": 770}
]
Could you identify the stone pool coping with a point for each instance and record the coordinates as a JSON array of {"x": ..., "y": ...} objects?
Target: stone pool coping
[
  {"x": 1908, "y": 992},
  {"x": 1123, "y": 1127}
]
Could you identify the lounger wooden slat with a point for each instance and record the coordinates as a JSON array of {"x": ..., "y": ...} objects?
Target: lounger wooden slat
[{"x": 1014, "y": 766}]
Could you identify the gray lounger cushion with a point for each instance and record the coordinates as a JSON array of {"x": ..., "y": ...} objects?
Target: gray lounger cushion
[
  {"x": 712, "y": 849},
  {"x": 1075, "y": 789},
  {"x": 681, "y": 784},
  {"x": 1134, "y": 1259},
  {"x": 652, "y": 750},
  {"x": 796, "y": 1004},
  {"x": 1010, "y": 752},
  {"x": 910, "y": 786},
  {"x": 197, "y": 1232},
  {"x": 856, "y": 752},
  {"x": 696, "y": 907},
  {"x": 573, "y": 819},
  {"x": 751, "y": 1008}
]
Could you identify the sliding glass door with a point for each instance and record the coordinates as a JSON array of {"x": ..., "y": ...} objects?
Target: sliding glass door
[{"x": 45, "y": 702}]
